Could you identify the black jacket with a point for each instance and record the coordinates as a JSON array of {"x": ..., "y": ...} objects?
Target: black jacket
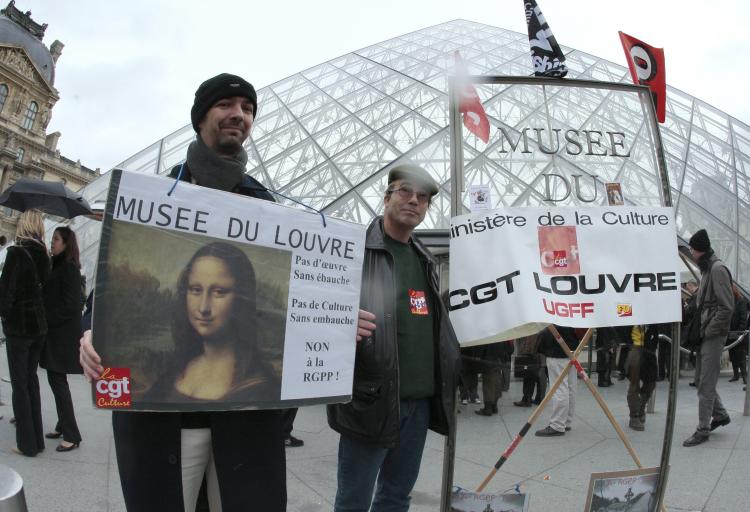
[
  {"x": 62, "y": 305},
  {"x": 550, "y": 348},
  {"x": 373, "y": 414},
  {"x": 248, "y": 446},
  {"x": 739, "y": 316},
  {"x": 21, "y": 304}
]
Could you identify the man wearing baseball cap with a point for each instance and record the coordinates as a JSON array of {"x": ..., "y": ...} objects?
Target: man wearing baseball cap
[
  {"x": 405, "y": 370},
  {"x": 715, "y": 306},
  {"x": 163, "y": 457}
]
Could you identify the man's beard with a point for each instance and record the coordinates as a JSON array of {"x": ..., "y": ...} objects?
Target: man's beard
[{"x": 228, "y": 145}]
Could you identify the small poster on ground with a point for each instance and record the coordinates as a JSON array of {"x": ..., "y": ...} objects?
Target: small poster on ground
[
  {"x": 207, "y": 300},
  {"x": 631, "y": 491},
  {"x": 464, "y": 500}
]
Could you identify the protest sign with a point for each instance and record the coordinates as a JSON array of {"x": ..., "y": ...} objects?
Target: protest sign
[
  {"x": 514, "y": 270},
  {"x": 207, "y": 300}
]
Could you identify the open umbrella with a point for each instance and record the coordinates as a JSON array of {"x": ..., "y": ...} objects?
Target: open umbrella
[{"x": 51, "y": 197}]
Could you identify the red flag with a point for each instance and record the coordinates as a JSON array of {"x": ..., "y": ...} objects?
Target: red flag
[
  {"x": 475, "y": 118},
  {"x": 646, "y": 65}
]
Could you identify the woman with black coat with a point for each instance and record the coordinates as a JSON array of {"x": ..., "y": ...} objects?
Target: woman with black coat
[
  {"x": 22, "y": 310},
  {"x": 62, "y": 303}
]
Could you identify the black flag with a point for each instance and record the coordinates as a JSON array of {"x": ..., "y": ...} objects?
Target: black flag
[{"x": 546, "y": 55}]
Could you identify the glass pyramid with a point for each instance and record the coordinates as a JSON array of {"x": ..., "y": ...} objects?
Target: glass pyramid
[{"x": 326, "y": 136}]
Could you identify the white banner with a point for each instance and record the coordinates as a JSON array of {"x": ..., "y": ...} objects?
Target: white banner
[
  {"x": 288, "y": 285},
  {"x": 514, "y": 270}
]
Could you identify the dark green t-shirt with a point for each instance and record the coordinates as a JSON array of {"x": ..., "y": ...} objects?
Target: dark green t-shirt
[{"x": 414, "y": 323}]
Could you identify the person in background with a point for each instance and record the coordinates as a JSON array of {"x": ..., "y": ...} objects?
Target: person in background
[
  {"x": 469, "y": 376},
  {"x": 642, "y": 369},
  {"x": 623, "y": 335},
  {"x": 24, "y": 323},
  {"x": 493, "y": 358},
  {"x": 289, "y": 440},
  {"x": 664, "y": 355},
  {"x": 606, "y": 349},
  {"x": 62, "y": 304},
  {"x": 738, "y": 353},
  {"x": 564, "y": 399},
  {"x": 689, "y": 309},
  {"x": 530, "y": 345},
  {"x": 715, "y": 305}
]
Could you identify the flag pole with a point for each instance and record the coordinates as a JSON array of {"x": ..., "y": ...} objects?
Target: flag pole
[{"x": 457, "y": 168}]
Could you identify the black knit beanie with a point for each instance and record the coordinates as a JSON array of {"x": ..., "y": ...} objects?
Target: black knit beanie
[
  {"x": 217, "y": 88},
  {"x": 699, "y": 241}
]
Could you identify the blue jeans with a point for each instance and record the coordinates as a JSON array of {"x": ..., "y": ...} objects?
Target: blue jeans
[{"x": 395, "y": 470}]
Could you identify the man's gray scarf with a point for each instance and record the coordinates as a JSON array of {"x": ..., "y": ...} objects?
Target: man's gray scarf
[{"x": 213, "y": 170}]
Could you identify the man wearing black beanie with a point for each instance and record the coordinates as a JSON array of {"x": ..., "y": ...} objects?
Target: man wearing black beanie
[
  {"x": 715, "y": 306},
  {"x": 163, "y": 457}
]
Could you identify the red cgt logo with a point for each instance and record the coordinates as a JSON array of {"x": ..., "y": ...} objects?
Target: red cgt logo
[
  {"x": 624, "y": 310},
  {"x": 113, "y": 389},
  {"x": 560, "y": 259}
]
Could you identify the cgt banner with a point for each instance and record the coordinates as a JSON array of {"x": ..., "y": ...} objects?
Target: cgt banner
[
  {"x": 515, "y": 270},
  {"x": 206, "y": 300}
]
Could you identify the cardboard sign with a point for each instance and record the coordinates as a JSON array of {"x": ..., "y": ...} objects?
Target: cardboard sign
[
  {"x": 207, "y": 300},
  {"x": 515, "y": 270}
]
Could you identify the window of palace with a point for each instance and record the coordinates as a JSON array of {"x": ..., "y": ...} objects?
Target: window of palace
[{"x": 31, "y": 111}]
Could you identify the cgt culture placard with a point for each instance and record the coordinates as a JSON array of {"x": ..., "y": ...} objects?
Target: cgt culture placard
[
  {"x": 514, "y": 270},
  {"x": 207, "y": 300}
]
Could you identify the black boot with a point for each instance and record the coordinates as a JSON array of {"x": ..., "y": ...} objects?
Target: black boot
[
  {"x": 736, "y": 375},
  {"x": 488, "y": 409}
]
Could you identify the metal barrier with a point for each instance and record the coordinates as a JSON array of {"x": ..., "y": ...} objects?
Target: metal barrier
[
  {"x": 741, "y": 336},
  {"x": 12, "y": 498}
]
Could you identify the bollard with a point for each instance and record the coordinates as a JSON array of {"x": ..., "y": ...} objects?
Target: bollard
[{"x": 12, "y": 498}]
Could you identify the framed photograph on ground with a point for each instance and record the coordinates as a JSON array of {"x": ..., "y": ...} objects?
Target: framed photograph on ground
[
  {"x": 464, "y": 500},
  {"x": 633, "y": 490}
]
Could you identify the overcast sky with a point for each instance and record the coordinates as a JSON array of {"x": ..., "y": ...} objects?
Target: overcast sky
[{"x": 129, "y": 70}]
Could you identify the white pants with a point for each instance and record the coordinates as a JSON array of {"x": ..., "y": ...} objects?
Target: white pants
[
  {"x": 564, "y": 399},
  {"x": 197, "y": 458}
]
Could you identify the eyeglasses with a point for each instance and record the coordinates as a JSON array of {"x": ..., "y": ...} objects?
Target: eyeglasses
[{"x": 405, "y": 192}]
